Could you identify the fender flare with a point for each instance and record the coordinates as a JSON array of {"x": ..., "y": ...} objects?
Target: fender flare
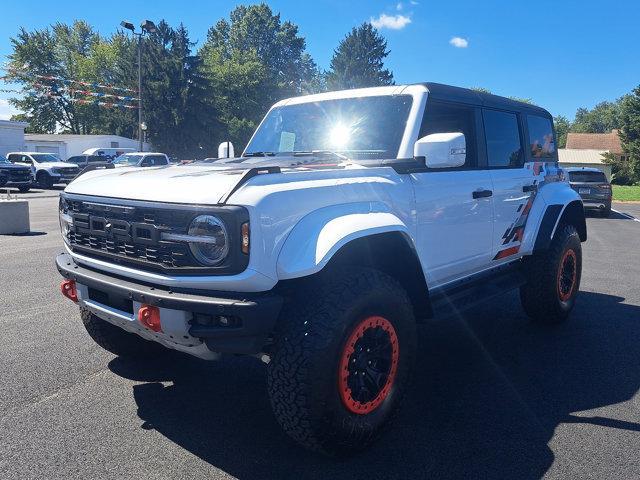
[
  {"x": 320, "y": 234},
  {"x": 551, "y": 219}
]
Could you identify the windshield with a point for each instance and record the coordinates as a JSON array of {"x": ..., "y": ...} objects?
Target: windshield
[
  {"x": 587, "y": 177},
  {"x": 127, "y": 159},
  {"x": 45, "y": 157},
  {"x": 365, "y": 127}
]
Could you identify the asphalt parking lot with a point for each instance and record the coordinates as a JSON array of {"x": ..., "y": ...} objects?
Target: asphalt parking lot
[{"x": 494, "y": 396}]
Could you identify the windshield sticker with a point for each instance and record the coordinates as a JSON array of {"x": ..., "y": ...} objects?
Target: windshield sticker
[{"x": 287, "y": 141}]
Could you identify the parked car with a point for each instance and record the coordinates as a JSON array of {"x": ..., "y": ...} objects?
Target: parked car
[
  {"x": 109, "y": 153},
  {"x": 141, "y": 159},
  {"x": 46, "y": 168},
  {"x": 15, "y": 175},
  {"x": 350, "y": 217},
  {"x": 593, "y": 187}
]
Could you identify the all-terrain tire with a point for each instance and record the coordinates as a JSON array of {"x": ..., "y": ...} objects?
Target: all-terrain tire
[
  {"x": 116, "y": 340},
  {"x": 553, "y": 278},
  {"x": 317, "y": 339}
]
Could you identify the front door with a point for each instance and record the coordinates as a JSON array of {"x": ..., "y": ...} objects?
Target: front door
[{"x": 454, "y": 207}]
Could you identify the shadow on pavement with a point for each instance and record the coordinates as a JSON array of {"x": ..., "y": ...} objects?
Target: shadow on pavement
[{"x": 489, "y": 391}]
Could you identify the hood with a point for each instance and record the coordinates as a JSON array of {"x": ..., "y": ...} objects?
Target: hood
[
  {"x": 48, "y": 165},
  {"x": 173, "y": 184},
  {"x": 11, "y": 166}
]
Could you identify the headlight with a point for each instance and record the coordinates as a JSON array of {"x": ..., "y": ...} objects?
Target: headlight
[
  {"x": 66, "y": 220},
  {"x": 211, "y": 243}
]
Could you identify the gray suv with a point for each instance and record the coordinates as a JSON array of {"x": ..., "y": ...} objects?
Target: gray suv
[{"x": 593, "y": 187}]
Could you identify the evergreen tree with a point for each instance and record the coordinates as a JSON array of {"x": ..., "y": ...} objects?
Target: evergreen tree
[{"x": 359, "y": 60}]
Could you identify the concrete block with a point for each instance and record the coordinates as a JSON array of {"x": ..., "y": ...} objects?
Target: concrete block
[{"x": 14, "y": 217}]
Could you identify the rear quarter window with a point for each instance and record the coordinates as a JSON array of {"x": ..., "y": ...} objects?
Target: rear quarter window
[{"x": 541, "y": 141}]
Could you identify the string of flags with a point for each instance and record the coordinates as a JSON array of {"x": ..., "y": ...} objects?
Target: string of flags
[
  {"x": 68, "y": 92},
  {"x": 89, "y": 93}
]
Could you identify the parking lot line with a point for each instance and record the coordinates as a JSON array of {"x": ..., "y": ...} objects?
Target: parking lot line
[{"x": 630, "y": 217}]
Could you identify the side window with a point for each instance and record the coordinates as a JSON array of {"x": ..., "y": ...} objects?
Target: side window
[
  {"x": 77, "y": 160},
  {"x": 13, "y": 158},
  {"x": 157, "y": 160},
  {"x": 440, "y": 117},
  {"x": 541, "y": 140},
  {"x": 25, "y": 159},
  {"x": 502, "y": 134}
]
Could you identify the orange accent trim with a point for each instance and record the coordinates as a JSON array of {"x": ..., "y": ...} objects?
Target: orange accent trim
[
  {"x": 343, "y": 370},
  {"x": 507, "y": 252},
  {"x": 69, "y": 290}
]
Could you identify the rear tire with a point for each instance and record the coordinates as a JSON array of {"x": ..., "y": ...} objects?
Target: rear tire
[
  {"x": 606, "y": 211},
  {"x": 349, "y": 322},
  {"x": 553, "y": 278},
  {"x": 24, "y": 189},
  {"x": 116, "y": 340}
]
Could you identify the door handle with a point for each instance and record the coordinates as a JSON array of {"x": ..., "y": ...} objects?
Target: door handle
[
  {"x": 482, "y": 193},
  {"x": 529, "y": 188}
]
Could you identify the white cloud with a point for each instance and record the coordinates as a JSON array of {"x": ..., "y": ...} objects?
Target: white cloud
[
  {"x": 399, "y": 6},
  {"x": 392, "y": 22},
  {"x": 459, "y": 42},
  {"x": 413, "y": 2},
  {"x": 6, "y": 110}
]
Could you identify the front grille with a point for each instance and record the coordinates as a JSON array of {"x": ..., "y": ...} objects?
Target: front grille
[
  {"x": 132, "y": 236},
  {"x": 20, "y": 176},
  {"x": 68, "y": 170}
]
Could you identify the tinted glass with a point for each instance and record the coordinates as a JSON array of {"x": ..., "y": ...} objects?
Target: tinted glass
[
  {"x": 128, "y": 159},
  {"x": 3, "y": 160},
  {"x": 502, "y": 134},
  {"x": 447, "y": 118},
  {"x": 157, "y": 159},
  {"x": 541, "y": 137},
  {"x": 79, "y": 159},
  {"x": 96, "y": 158},
  {"x": 584, "y": 177},
  {"x": 366, "y": 127}
]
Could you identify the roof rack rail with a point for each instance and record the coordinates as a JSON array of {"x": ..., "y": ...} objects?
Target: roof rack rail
[{"x": 246, "y": 176}]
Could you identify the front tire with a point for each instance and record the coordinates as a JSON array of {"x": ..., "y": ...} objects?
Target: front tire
[
  {"x": 343, "y": 355},
  {"x": 553, "y": 278},
  {"x": 116, "y": 340},
  {"x": 24, "y": 189},
  {"x": 45, "y": 180}
]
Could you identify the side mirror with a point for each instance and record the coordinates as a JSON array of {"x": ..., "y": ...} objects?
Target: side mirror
[
  {"x": 442, "y": 150},
  {"x": 225, "y": 150}
]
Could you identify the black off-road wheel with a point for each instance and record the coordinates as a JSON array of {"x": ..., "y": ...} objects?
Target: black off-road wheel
[
  {"x": 343, "y": 355},
  {"x": 116, "y": 340},
  {"x": 553, "y": 278}
]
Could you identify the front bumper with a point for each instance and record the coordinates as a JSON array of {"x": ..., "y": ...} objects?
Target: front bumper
[{"x": 187, "y": 317}]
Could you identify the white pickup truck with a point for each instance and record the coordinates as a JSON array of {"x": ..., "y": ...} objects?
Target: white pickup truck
[{"x": 350, "y": 217}]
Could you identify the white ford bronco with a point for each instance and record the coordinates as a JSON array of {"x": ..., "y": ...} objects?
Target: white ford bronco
[{"x": 350, "y": 217}]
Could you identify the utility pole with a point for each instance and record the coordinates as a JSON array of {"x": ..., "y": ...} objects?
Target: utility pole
[{"x": 149, "y": 27}]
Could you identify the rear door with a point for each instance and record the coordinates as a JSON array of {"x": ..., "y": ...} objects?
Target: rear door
[
  {"x": 516, "y": 171},
  {"x": 454, "y": 223}
]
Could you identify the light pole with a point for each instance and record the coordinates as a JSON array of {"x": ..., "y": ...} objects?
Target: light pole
[{"x": 149, "y": 27}]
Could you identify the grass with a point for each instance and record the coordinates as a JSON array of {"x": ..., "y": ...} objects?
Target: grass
[{"x": 624, "y": 193}]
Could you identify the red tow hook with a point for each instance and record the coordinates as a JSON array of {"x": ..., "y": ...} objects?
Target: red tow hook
[
  {"x": 149, "y": 316},
  {"x": 68, "y": 289}
]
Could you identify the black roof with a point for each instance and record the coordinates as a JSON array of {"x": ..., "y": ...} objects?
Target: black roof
[{"x": 439, "y": 91}]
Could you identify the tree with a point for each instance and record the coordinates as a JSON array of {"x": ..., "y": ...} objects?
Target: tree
[
  {"x": 359, "y": 60},
  {"x": 563, "y": 125},
  {"x": 629, "y": 117},
  {"x": 602, "y": 118},
  {"x": 60, "y": 51},
  {"x": 252, "y": 61}
]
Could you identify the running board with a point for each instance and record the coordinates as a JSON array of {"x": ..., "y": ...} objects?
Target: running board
[{"x": 472, "y": 291}]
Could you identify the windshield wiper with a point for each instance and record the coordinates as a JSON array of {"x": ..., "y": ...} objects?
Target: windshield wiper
[{"x": 318, "y": 153}]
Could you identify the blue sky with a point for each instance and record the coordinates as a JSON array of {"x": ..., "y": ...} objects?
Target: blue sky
[{"x": 562, "y": 54}]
